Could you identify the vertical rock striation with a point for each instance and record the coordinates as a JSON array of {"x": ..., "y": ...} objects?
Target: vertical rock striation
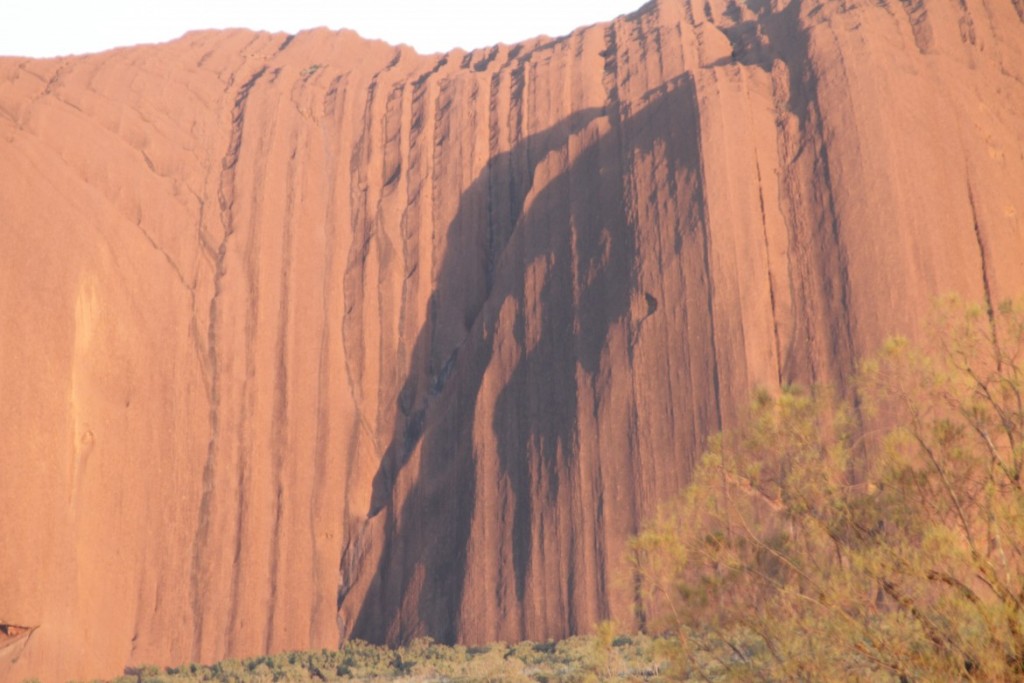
[{"x": 310, "y": 337}]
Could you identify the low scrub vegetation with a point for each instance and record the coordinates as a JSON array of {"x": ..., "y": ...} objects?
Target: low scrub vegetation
[{"x": 604, "y": 656}]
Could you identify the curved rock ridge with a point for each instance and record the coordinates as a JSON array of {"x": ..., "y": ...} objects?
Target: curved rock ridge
[{"x": 310, "y": 337}]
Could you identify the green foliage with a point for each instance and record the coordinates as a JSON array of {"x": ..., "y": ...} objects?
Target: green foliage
[
  {"x": 604, "y": 656},
  {"x": 822, "y": 543}
]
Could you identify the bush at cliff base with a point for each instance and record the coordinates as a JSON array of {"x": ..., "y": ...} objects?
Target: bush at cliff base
[{"x": 880, "y": 538}]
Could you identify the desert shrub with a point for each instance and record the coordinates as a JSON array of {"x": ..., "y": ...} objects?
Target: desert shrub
[
  {"x": 574, "y": 659},
  {"x": 362, "y": 660},
  {"x": 820, "y": 542}
]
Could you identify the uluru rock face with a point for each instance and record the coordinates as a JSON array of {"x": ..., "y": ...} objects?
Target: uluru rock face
[{"x": 308, "y": 337}]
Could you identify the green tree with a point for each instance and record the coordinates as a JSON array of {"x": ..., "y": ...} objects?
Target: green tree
[{"x": 818, "y": 542}]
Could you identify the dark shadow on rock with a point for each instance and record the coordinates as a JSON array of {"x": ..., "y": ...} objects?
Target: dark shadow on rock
[
  {"x": 749, "y": 46},
  {"x": 588, "y": 289},
  {"x": 588, "y": 242},
  {"x": 502, "y": 188},
  {"x": 440, "y": 507}
]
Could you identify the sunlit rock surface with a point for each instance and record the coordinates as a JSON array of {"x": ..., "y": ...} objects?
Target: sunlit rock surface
[{"x": 307, "y": 338}]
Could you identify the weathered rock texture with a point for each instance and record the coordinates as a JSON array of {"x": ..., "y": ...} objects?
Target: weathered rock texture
[{"x": 308, "y": 337}]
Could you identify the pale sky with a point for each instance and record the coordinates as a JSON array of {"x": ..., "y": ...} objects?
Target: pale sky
[{"x": 49, "y": 28}]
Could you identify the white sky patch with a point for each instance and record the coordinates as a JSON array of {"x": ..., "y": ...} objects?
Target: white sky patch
[{"x": 49, "y": 28}]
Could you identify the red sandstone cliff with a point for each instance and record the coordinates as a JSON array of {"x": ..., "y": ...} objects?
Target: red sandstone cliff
[{"x": 311, "y": 337}]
